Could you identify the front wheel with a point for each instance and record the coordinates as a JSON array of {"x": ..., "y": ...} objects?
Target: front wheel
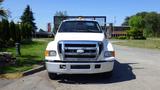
[{"x": 52, "y": 76}]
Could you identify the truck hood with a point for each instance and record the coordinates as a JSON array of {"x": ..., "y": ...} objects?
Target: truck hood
[{"x": 79, "y": 36}]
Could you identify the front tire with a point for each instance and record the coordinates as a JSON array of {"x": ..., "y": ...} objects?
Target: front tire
[{"x": 52, "y": 76}]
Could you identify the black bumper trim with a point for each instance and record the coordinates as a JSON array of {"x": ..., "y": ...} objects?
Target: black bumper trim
[{"x": 57, "y": 61}]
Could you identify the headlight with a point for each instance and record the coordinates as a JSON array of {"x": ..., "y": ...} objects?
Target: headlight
[
  {"x": 109, "y": 54},
  {"x": 50, "y": 53}
]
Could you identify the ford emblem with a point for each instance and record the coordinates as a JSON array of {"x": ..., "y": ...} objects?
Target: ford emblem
[{"x": 80, "y": 51}]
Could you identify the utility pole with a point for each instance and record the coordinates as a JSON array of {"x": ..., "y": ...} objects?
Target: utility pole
[{"x": 114, "y": 22}]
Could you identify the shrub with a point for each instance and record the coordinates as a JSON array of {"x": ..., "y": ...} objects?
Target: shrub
[
  {"x": 122, "y": 37},
  {"x": 135, "y": 34}
]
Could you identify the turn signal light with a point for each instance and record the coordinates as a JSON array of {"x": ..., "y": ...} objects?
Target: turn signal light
[
  {"x": 46, "y": 53},
  {"x": 113, "y": 53},
  {"x": 109, "y": 54}
]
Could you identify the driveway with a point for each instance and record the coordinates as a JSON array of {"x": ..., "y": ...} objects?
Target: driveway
[
  {"x": 135, "y": 69},
  {"x": 5, "y": 82}
]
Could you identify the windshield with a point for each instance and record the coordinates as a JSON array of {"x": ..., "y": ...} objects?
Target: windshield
[{"x": 80, "y": 26}]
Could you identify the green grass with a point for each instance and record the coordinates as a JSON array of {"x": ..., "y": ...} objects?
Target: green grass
[
  {"x": 31, "y": 54},
  {"x": 151, "y": 43}
]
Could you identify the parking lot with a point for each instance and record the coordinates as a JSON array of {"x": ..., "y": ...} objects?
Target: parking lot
[{"x": 135, "y": 69}]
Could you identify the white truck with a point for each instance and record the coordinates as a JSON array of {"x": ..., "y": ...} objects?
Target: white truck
[{"x": 80, "y": 47}]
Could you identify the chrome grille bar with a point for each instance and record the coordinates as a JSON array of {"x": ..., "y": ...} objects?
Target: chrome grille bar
[
  {"x": 69, "y": 50},
  {"x": 80, "y": 54},
  {"x": 84, "y": 48}
]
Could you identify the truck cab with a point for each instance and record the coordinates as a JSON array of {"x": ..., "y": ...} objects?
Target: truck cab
[{"x": 80, "y": 47}]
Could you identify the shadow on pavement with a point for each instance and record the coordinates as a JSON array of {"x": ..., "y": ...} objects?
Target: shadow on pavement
[{"x": 122, "y": 72}]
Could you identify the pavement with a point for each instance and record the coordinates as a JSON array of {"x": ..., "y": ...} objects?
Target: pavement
[
  {"x": 4, "y": 82},
  {"x": 135, "y": 69}
]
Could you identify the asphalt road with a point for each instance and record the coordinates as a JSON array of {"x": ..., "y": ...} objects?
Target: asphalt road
[{"x": 135, "y": 69}]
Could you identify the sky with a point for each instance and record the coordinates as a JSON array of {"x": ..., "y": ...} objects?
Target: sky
[{"x": 114, "y": 10}]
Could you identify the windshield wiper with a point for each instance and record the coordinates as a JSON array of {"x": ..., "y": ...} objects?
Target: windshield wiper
[{"x": 91, "y": 30}]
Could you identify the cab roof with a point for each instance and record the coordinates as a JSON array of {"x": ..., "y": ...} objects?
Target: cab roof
[{"x": 79, "y": 20}]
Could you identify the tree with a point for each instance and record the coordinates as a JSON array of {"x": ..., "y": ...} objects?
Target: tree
[
  {"x": 136, "y": 22},
  {"x": 142, "y": 14},
  {"x": 23, "y": 31},
  {"x": 61, "y": 13},
  {"x": 134, "y": 33},
  {"x": 126, "y": 21},
  {"x": 18, "y": 33},
  {"x": 147, "y": 22},
  {"x": 3, "y": 12},
  {"x": 12, "y": 28},
  {"x": 152, "y": 23},
  {"x": 5, "y": 30},
  {"x": 28, "y": 18},
  {"x": 1, "y": 41},
  {"x": 137, "y": 26},
  {"x": 60, "y": 16},
  {"x": 28, "y": 31},
  {"x": 15, "y": 32},
  {"x": 4, "y": 33}
]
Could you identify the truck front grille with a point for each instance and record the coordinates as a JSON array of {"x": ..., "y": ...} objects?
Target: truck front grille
[{"x": 79, "y": 50}]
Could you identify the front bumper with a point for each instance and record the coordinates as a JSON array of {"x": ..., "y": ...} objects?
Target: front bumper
[{"x": 92, "y": 67}]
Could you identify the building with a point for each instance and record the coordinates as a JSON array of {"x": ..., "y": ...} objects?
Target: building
[
  {"x": 120, "y": 31},
  {"x": 116, "y": 31},
  {"x": 44, "y": 34}
]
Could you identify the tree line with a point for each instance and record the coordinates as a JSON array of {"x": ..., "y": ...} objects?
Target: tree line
[
  {"x": 143, "y": 24},
  {"x": 11, "y": 32},
  {"x": 14, "y": 32}
]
